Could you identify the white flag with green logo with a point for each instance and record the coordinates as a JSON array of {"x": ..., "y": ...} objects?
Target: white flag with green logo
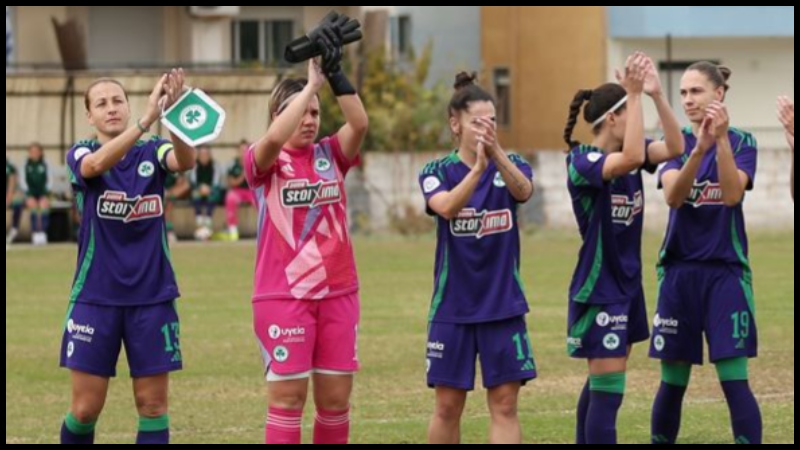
[{"x": 195, "y": 118}]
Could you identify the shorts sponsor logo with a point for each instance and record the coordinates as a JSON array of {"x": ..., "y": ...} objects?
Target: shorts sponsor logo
[
  {"x": 70, "y": 349},
  {"x": 659, "y": 343},
  {"x": 471, "y": 223},
  {"x": 287, "y": 335},
  {"x": 281, "y": 354},
  {"x": 575, "y": 343},
  {"x": 435, "y": 350},
  {"x": 80, "y": 332},
  {"x": 117, "y": 206},
  {"x": 666, "y": 326},
  {"x": 617, "y": 323},
  {"x": 612, "y": 342},
  {"x": 274, "y": 332}
]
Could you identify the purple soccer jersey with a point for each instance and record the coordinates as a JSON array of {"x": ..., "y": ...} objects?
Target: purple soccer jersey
[
  {"x": 124, "y": 257},
  {"x": 610, "y": 215},
  {"x": 704, "y": 229},
  {"x": 478, "y": 253}
]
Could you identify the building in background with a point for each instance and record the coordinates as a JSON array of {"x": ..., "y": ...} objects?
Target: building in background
[
  {"x": 534, "y": 58},
  {"x": 156, "y": 36}
]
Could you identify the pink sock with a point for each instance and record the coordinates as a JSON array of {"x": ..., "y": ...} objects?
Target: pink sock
[
  {"x": 332, "y": 427},
  {"x": 283, "y": 426},
  {"x": 231, "y": 205}
]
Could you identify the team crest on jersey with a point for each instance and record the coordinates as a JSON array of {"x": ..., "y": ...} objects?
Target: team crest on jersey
[
  {"x": 471, "y": 223},
  {"x": 705, "y": 194},
  {"x": 301, "y": 194},
  {"x": 117, "y": 206},
  {"x": 499, "y": 182},
  {"x": 625, "y": 209},
  {"x": 322, "y": 165},
  {"x": 146, "y": 169}
]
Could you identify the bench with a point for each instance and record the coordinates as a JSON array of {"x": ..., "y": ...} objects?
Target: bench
[{"x": 62, "y": 223}]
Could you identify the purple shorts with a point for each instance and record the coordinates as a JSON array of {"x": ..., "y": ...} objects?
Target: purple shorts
[
  {"x": 504, "y": 348},
  {"x": 715, "y": 300},
  {"x": 94, "y": 335}
]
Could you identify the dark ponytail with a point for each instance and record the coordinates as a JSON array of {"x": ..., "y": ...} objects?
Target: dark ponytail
[
  {"x": 598, "y": 102},
  {"x": 574, "y": 110}
]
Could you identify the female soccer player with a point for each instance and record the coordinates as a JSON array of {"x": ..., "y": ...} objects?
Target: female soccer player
[
  {"x": 607, "y": 312},
  {"x": 306, "y": 302},
  {"x": 38, "y": 180},
  {"x": 479, "y": 304},
  {"x": 786, "y": 116},
  {"x": 124, "y": 290},
  {"x": 706, "y": 285}
]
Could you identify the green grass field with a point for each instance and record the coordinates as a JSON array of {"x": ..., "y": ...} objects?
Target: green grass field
[{"x": 220, "y": 395}]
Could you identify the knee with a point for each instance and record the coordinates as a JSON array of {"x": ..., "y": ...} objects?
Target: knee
[
  {"x": 293, "y": 401},
  {"x": 333, "y": 402},
  {"x": 504, "y": 406},
  {"x": 449, "y": 411},
  {"x": 86, "y": 411},
  {"x": 151, "y": 407}
]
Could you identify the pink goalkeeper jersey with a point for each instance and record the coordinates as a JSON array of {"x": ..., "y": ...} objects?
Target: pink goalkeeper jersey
[{"x": 304, "y": 247}]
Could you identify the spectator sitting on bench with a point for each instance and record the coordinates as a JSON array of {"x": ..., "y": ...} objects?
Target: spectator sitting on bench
[
  {"x": 238, "y": 192},
  {"x": 38, "y": 182},
  {"x": 206, "y": 192},
  {"x": 176, "y": 188}
]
